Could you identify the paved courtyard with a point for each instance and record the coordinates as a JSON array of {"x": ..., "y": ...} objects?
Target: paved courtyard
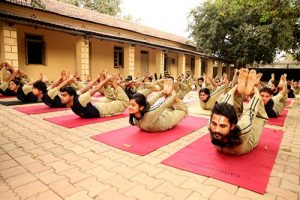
[{"x": 40, "y": 160}]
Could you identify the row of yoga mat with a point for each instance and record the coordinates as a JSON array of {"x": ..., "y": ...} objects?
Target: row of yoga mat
[
  {"x": 250, "y": 171},
  {"x": 72, "y": 120}
]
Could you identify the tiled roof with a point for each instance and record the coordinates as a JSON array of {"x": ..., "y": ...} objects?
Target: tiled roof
[{"x": 69, "y": 10}]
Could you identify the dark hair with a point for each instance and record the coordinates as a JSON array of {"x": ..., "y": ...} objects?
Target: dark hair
[
  {"x": 201, "y": 79},
  {"x": 206, "y": 91},
  {"x": 17, "y": 82},
  {"x": 41, "y": 86},
  {"x": 233, "y": 137},
  {"x": 141, "y": 100},
  {"x": 155, "y": 76},
  {"x": 128, "y": 78},
  {"x": 267, "y": 90},
  {"x": 68, "y": 89}
]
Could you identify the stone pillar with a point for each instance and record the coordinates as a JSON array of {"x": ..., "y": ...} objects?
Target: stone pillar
[
  {"x": 9, "y": 46},
  {"x": 129, "y": 52},
  {"x": 181, "y": 64},
  {"x": 219, "y": 74},
  {"x": 210, "y": 67},
  {"x": 197, "y": 67},
  {"x": 83, "y": 58},
  {"x": 228, "y": 72},
  {"x": 159, "y": 62}
]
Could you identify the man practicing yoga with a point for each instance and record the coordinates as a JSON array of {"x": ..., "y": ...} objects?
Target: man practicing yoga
[
  {"x": 274, "y": 105},
  {"x": 50, "y": 95},
  {"x": 163, "y": 111},
  {"x": 233, "y": 136},
  {"x": 9, "y": 85},
  {"x": 81, "y": 105}
]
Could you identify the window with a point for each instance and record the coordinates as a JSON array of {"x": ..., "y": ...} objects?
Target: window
[
  {"x": 35, "y": 49},
  {"x": 118, "y": 57}
]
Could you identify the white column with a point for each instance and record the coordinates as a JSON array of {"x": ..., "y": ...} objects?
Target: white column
[{"x": 83, "y": 58}]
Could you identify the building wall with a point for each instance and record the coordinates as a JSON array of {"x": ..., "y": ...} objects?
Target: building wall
[
  {"x": 60, "y": 52},
  {"x": 102, "y": 57},
  {"x": 54, "y": 18}
]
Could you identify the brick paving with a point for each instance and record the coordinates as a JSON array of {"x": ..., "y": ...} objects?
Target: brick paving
[{"x": 40, "y": 160}]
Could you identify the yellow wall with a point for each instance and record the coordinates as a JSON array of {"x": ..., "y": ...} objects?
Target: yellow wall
[
  {"x": 102, "y": 57},
  {"x": 60, "y": 52},
  {"x": 54, "y": 18}
]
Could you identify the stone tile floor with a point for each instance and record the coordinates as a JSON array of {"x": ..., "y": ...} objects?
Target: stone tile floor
[{"x": 40, "y": 160}]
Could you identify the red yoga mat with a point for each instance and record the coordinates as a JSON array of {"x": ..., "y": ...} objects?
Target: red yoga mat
[
  {"x": 37, "y": 109},
  {"x": 72, "y": 120},
  {"x": 6, "y": 97},
  {"x": 250, "y": 171},
  {"x": 132, "y": 139},
  {"x": 279, "y": 121}
]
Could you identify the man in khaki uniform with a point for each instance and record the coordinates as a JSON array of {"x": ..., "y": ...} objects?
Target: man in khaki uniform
[
  {"x": 81, "y": 105},
  {"x": 233, "y": 136},
  {"x": 163, "y": 111},
  {"x": 276, "y": 104}
]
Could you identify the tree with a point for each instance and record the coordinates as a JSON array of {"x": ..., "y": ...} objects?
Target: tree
[
  {"x": 247, "y": 31},
  {"x": 109, "y": 7}
]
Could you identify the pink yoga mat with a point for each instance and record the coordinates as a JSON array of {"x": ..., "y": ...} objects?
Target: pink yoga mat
[
  {"x": 250, "y": 171},
  {"x": 132, "y": 139},
  {"x": 279, "y": 121},
  {"x": 38, "y": 109},
  {"x": 72, "y": 120}
]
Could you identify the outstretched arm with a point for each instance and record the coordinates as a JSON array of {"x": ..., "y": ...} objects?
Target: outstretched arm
[
  {"x": 65, "y": 82},
  {"x": 100, "y": 85},
  {"x": 89, "y": 85}
]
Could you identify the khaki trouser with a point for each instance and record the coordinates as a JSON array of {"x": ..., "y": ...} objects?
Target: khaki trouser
[
  {"x": 108, "y": 93},
  {"x": 279, "y": 102},
  {"x": 3, "y": 86},
  {"x": 251, "y": 123},
  {"x": 113, "y": 107},
  {"x": 184, "y": 88},
  {"x": 165, "y": 116}
]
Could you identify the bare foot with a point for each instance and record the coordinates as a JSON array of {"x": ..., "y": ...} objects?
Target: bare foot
[
  {"x": 102, "y": 76},
  {"x": 250, "y": 83},
  {"x": 8, "y": 67},
  {"x": 258, "y": 77},
  {"x": 63, "y": 75},
  {"x": 282, "y": 81},
  {"x": 242, "y": 80},
  {"x": 168, "y": 87},
  {"x": 43, "y": 77}
]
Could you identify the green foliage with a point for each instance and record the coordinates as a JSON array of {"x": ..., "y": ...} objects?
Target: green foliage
[
  {"x": 109, "y": 7},
  {"x": 247, "y": 31},
  {"x": 37, "y": 4}
]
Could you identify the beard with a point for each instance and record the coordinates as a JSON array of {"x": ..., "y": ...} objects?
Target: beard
[
  {"x": 222, "y": 142},
  {"x": 228, "y": 140}
]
